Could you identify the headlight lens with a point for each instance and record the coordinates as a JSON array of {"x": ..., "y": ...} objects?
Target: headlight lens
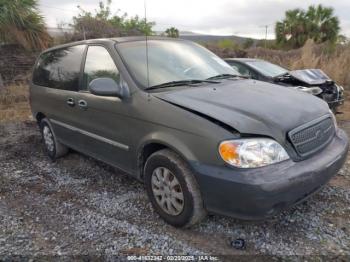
[{"x": 252, "y": 152}]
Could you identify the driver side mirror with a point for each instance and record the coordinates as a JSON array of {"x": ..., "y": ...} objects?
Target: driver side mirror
[{"x": 105, "y": 87}]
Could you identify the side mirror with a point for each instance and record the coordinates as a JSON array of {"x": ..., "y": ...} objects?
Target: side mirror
[{"x": 105, "y": 87}]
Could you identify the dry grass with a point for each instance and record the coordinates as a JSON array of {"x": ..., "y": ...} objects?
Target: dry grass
[
  {"x": 14, "y": 103},
  {"x": 336, "y": 65}
]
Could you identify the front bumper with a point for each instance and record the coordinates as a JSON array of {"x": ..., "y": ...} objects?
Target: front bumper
[
  {"x": 335, "y": 103},
  {"x": 262, "y": 192}
]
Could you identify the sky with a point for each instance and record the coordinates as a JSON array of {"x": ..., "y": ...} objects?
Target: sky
[{"x": 246, "y": 18}]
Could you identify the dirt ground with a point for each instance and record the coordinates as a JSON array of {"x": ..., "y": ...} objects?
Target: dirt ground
[{"x": 78, "y": 206}]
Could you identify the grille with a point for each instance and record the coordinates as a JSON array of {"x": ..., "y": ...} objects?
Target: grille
[{"x": 313, "y": 136}]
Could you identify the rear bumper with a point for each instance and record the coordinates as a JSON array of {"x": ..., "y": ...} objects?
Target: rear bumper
[{"x": 261, "y": 192}]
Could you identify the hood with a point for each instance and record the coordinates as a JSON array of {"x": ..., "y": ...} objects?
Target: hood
[
  {"x": 250, "y": 107},
  {"x": 310, "y": 76}
]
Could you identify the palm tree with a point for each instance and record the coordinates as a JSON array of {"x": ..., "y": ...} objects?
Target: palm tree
[
  {"x": 20, "y": 23},
  {"x": 317, "y": 23},
  {"x": 172, "y": 32},
  {"x": 323, "y": 25}
]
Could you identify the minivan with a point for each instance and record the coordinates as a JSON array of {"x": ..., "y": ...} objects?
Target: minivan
[{"x": 178, "y": 118}]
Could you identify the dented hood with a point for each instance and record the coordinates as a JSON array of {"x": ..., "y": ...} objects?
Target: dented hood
[
  {"x": 250, "y": 107},
  {"x": 310, "y": 76}
]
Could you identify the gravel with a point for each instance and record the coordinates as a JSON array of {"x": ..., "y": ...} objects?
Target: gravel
[{"x": 79, "y": 206}]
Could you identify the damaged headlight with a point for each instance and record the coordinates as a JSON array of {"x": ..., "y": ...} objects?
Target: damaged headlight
[
  {"x": 314, "y": 90},
  {"x": 340, "y": 90},
  {"x": 252, "y": 152}
]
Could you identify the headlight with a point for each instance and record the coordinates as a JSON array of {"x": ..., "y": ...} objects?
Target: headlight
[
  {"x": 314, "y": 90},
  {"x": 252, "y": 152}
]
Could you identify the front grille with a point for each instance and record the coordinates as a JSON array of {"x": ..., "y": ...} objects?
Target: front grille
[{"x": 313, "y": 136}]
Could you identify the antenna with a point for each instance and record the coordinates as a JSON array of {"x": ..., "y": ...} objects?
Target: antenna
[{"x": 144, "y": 2}]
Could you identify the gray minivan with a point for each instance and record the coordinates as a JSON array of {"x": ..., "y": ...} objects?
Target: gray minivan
[{"x": 177, "y": 117}]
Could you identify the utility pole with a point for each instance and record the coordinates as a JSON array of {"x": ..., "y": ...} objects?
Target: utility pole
[{"x": 266, "y": 26}]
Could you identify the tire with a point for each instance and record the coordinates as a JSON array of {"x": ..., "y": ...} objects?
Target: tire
[
  {"x": 53, "y": 148},
  {"x": 173, "y": 189}
]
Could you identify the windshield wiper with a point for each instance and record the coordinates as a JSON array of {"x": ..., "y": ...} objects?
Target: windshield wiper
[
  {"x": 225, "y": 76},
  {"x": 180, "y": 83}
]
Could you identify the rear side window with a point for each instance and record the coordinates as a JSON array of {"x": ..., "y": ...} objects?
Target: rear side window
[
  {"x": 60, "y": 68},
  {"x": 99, "y": 64}
]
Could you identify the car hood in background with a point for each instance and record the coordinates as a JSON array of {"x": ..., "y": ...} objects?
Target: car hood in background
[
  {"x": 250, "y": 107},
  {"x": 310, "y": 76}
]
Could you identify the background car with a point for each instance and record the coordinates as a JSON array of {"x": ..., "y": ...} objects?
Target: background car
[{"x": 313, "y": 81}]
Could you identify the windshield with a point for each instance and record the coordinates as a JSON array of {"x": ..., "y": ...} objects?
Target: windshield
[
  {"x": 171, "y": 61},
  {"x": 267, "y": 68}
]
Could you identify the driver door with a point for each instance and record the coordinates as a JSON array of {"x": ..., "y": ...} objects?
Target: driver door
[{"x": 102, "y": 120}]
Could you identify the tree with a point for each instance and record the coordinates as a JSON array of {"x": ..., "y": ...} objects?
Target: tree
[
  {"x": 343, "y": 40},
  {"x": 228, "y": 44},
  {"x": 248, "y": 43},
  {"x": 21, "y": 23},
  {"x": 101, "y": 23},
  {"x": 88, "y": 25},
  {"x": 172, "y": 32},
  {"x": 317, "y": 23}
]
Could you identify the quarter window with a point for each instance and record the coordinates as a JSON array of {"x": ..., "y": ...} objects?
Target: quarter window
[
  {"x": 99, "y": 64},
  {"x": 60, "y": 68}
]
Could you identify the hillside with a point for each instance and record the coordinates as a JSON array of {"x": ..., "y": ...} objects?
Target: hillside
[{"x": 211, "y": 38}]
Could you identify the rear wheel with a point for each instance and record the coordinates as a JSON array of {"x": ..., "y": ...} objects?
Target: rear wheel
[
  {"x": 173, "y": 190},
  {"x": 54, "y": 149}
]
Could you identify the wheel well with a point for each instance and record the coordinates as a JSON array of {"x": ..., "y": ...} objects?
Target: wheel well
[
  {"x": 39, "y": 116},
  {"x": 145, "y": 153}
]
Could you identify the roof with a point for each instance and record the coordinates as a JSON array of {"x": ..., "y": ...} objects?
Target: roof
[
  {"x": 242, "y": 59},
  {"x": 143, "y": 38},
  {"x": 113, "y": 40}
]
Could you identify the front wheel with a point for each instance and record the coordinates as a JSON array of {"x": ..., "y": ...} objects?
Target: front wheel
[{"x": 172, "y": 189}]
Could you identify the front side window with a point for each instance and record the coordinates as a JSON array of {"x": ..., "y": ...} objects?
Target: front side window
[
  {"x": 59, "y": 68},
  {"x": 267, "y": 69},
  {"x": 170, "y": 60},
  {"x": 241, "y": 69},
  {"x": 99, "y": 64}
]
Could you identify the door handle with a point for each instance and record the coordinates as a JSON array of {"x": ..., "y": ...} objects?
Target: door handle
[
  {"x": 70, "y": 101},
  {"x": 82, "y": 104}
]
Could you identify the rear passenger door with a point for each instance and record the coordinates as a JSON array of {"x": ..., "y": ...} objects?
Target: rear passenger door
[
  {"x": 102, "y": 119},
  {"x": 56, "y": 77}
]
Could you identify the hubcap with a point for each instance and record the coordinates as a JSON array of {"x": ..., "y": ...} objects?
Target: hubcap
[
  {"x": 48, "y": 138},
  {"x": 167, "y": 191}
]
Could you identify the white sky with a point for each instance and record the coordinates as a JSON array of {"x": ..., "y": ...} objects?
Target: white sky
[{"x": 219, "y": 17}]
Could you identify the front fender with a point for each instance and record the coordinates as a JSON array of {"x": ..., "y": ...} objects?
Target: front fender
[{"x": 177, "y": 143}]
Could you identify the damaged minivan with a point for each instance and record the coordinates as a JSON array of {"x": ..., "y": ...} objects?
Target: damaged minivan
[
  {"x": 178, "y": 118},
  {"x": 312, "y": 81}
]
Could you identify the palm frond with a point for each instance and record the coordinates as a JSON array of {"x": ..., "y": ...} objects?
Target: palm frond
[{"x": 21, "y": 23}]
